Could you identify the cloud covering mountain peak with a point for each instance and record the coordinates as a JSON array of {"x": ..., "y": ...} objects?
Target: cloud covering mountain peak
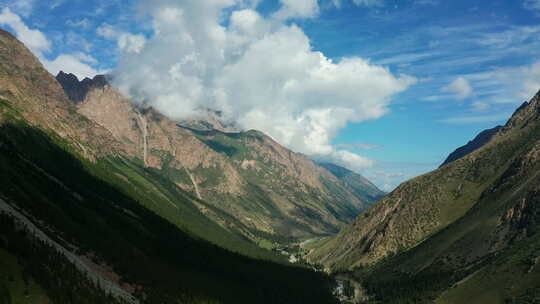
[{"x": 261, "y": 72}]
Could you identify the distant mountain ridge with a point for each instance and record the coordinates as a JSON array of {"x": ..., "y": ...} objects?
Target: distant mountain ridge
[
  {"x": 478, "y": 142},
  {"x": 360, "y": 185}
]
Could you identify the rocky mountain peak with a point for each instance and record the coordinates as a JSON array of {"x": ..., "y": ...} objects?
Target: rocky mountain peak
[
  {"x": 78, "y": 90},
  {"x": 526, "y": 113}
]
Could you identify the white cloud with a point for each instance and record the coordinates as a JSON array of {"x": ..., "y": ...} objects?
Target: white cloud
[
  {"x": 298, "y": 9},
  {"x": 434, "y": 98},
  {"x": 21, "y": 7},
  {"x": 126, "y": 42},
  {"x": 531, "y": 4},
  {"x": 427, "y": 2},
  {"x": 358, "y": 146},
  {"x": 260, "y": 72},
  {"x": 82, "y": 23},
  {"x": 77, "y": 41},
  {"x": 480, "y": 106},
  {"x": 514, "y": 38},
  {"x": 368, "y": 3},
  {"x": 531, "y": 83},
  {"x": 405, "y": 58},
  {"x": 461, "y": 87},
  {"x": 475, "y": 119},
  {"x": 108, "y": 31},
  {"x": 79, "y": 64},
  {"x": 56, "y": 4},
  {"x": 509, "y": 84},
  {"x": 33, "y": 39}
]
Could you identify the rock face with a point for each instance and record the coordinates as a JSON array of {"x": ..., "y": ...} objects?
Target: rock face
[
  {"x": 478, "y": 142},
  {"x": 77, "y": 90},
  {"x": 39, "y": 99},
  {"x": 258, "y": 187}
]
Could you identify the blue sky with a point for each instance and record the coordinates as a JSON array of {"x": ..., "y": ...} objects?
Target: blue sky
[{"x": 473, "y": 63}]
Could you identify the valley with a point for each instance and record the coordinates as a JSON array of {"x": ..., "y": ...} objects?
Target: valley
[{"x": 286, "y": 152}]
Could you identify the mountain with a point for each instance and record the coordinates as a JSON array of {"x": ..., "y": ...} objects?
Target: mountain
[
  {"x": 77, "y": 90},
  {"x": 478, "y": 142},
  {"x": 244, "y": 181},
  {"x": 89, "y": 213},
  {"x": 359, "y": 185},
  {"x": 465, "y": 233}
]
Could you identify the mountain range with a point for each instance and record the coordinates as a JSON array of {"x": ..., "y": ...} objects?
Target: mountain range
[
  {"x": 254, "y": 186},
  {"x": 132, "y": 207}
]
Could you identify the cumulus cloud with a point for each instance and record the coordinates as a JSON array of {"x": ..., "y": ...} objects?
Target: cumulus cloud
[
  {"x": 77, "y": 63},
  {"x": 33, "y": 39},
  {"x": 298, "y": 9},
  {"x": 260, "y": 72},
  {"x": 461, "y": 87},
  {"x": 126, "y": 42}
]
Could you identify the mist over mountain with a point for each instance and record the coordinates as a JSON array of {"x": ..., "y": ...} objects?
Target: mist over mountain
[{"x": 299, "y": 97}]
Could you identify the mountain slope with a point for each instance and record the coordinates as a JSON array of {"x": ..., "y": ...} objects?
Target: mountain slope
[
  {"x": 119, "y": 240},
  {"x": 259, "y": 188},
  {"x": 359, "y": 185},
  {"x": 31, "y": 97},
  {"x": 429, "y": 203},
  {"x": 478, "y": 142},
  {"x": 467, "y": 232},
  {"x": 83, "y": 218}
]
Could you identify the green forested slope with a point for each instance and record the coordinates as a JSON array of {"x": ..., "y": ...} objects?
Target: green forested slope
[{"x": 84, "y": 211}]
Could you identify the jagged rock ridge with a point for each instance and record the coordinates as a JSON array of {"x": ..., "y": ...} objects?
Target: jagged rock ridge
[{"x": 77, "y": 90}]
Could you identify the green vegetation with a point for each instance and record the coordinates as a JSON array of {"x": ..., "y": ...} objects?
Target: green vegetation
[
  {"x": 490, "y": 254},
  {"x": 82, "y": 203},
  {"x": 16, "y": 286},
  {"x": 38, "y": 261}
]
